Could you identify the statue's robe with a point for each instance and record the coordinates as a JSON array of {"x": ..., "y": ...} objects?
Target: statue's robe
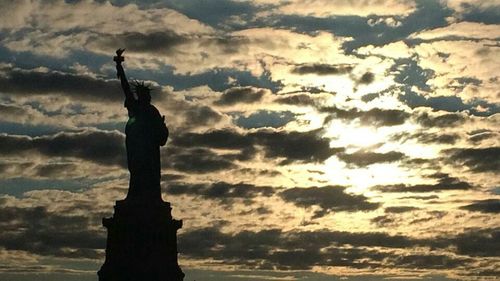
[{"x": 143, "y": 143}]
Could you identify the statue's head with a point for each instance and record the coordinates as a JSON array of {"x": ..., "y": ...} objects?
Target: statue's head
[{"x": 143, "y": 92}]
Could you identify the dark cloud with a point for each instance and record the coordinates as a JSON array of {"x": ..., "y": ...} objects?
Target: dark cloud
[
  {"x": 12, "y": 111},
  {"x": 308, "y": 90},
  {"x": 322, "y": 69},
  {"x": 171, "y": 177},
  {"x": 419, "y": 163},
  {"x": 201, "y": 116},
  {"x": 313, "y": 90},
  {"x": 222, "y": 139},
  {"x": 41, "y": 232},
  {"x": 478, "y": 242},
  {"x": 293, "y": 146},
  {"x": 430, "y": 261},
  {"x": 227, "y": 44},
  {"x": 365, "y": 158},
  {"x": 221, "y": 190},
  {"x": 445, "y": 182},
  {"x": 301, "y": 99},
  {"x": 484, "y": 206},
  {"x": 383, "y": 220},
  {"x": 441, "y": 121},
  {"x": 38, "y": 231},
  {"x": 328, "y": 198},
  {"x": 259, "y": 172},
  {"x": 479, "y": 136},
  {"x": 102, "y": 147},
  {"x": 383, "y": 117},
  {"x": 255, "y": 211},
  {"x": 241, "y": 95},
  {"x": 366, "y": 78},
  {"x": 400, "y": 209},
  {"x": 459, "y": 84},
  {"x": 427, "y": 138},
  {"x": 484, "y": 272},
  {"x": 430, "y": 216},
  {"x": 438, "y": 138},
  {"x": 54, "y": 170},
  {"x": 196, "y": 160},
  {"x": 274, "y": 248},
  {"x": 160, "y": 42},
  {"x": 390, "y": 217},
  {"x": 373, "y": 117},
  {"x": 327, "y": 248},
  {"x": 7, "y": 166},
  {"x": 430, "y": 197},
  {"x": 369, "y": 97},
  {"x": 167, "y": 42},
  {"x": 479, "y": 131},
  {"x": 29, "y": 82},
  {"x": 265, "y": 118},
  {"x": 477, "y": 159}
]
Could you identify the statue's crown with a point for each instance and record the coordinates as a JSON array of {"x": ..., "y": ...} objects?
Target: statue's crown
[{"x": 141, "y": 86}]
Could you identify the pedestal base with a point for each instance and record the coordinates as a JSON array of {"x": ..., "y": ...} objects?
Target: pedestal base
[{"x": 142, "y": 243}]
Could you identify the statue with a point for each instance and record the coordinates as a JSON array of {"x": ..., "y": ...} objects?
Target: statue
[
  {"x": 142, "y": 235},
  {"x": 145, "y": 133}
]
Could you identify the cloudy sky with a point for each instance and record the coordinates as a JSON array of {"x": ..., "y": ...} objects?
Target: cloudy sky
[{"x": 310, "y": 139}]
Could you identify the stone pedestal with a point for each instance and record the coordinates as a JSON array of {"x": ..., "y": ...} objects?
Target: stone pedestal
[{"x": 142, "y": 243}]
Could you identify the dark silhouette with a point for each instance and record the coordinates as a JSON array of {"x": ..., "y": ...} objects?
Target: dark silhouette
[
  {"x": 146, "y": 132},
  {"x": 142, "y": 236}
]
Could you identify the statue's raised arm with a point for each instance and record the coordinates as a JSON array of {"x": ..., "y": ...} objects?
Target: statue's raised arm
[{"x": 121, "y": 74}]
